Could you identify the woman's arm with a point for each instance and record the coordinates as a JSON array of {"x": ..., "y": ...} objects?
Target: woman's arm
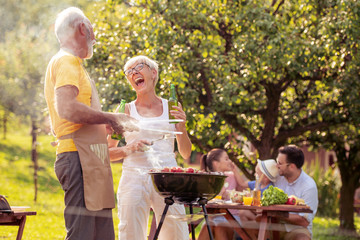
[
  {"x": 112, "y": 143},
  {"x": 119, "y": 153},
  {"x": 241, "y": 180},
  {"x": 183, "y": 140}
]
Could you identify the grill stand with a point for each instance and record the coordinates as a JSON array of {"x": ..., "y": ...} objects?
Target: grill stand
[{"x": 169, "y": 201}]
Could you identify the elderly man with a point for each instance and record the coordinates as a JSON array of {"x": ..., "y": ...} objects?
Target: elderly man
[
  {"x": 82, "y": 162},
  {"x": 294, "y": 181}
]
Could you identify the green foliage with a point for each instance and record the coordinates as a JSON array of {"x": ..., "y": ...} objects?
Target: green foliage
[
  {"x": 327, "y": 229},
  {"x": 27, "y": 43},
  {"x": 22, "y": 70},
  {"x": 263, "y": 70},
  {"x": 344, "y": 140},
  {"x": 273, "y": 195},
  {"x": 327, "y": 183},
  {"x": 16, "y": 171}
]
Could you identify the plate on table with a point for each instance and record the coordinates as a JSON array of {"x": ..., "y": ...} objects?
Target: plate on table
[
  {"x": 19, "y": 208},
  {"x": 291, "y": 206},
  {"x": 193, "y": 217}
]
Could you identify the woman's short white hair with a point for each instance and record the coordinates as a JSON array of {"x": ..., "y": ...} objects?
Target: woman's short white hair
[
  {"x": 66, "y": 22},
  {"x": 144, "y": 59}
]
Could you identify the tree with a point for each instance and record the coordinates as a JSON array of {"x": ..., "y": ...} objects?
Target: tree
[
  {"x": 262, "y": 70},
  {"x": 25, "y": 49},
  {"x": 344, "y": 139},
  {"x": 21, "y": 83}
]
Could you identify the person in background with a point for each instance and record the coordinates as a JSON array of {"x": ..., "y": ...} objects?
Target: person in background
[
  {"x": 357, "y": 201},
  {"x": 217, "y": 160},
  {"x": 294, "y": 181},
  {"x": 146, "y": 150},
  {"x": 79, "y": 126},
  {"x": 266, "y": 171}
]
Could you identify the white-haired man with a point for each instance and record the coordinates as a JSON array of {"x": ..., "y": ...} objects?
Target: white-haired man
[{"x": 82, "y": 161}]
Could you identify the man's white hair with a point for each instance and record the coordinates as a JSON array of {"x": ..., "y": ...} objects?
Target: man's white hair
[
  {"x": 66, "y": 22},
  {"x": 144, "y": 59}
]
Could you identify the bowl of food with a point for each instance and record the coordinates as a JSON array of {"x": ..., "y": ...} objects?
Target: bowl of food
[
  {"x": 237, "y": 197},
  {"x": 187, "y": 185}
]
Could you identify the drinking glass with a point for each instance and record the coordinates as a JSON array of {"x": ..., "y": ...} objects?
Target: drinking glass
[
  {"x": 247, "y": 200},
  {"x": 256, "y": 198}
]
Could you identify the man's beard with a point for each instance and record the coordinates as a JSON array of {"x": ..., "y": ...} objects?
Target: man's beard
[{"x": 89, "y": 43}]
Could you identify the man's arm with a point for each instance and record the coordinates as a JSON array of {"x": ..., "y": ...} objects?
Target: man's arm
[
  {"x": 296, "y": 219},
  {"x": 69, "y": 108},
  {"x": 310, "y": 196}
]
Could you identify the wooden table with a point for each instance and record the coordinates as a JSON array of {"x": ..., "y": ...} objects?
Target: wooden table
[
  {"x": 16, "y": 218},
  {"x": 267, "y": 215}
]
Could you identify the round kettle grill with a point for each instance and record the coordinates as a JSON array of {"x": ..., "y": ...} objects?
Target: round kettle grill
[{"x": 187, "y": 188}]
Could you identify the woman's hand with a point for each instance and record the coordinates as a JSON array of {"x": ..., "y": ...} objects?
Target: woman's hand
[
  {"x": 179, "y": 114},
  {"x": 139, "y": 146},
  {"x": 183, "y": 140},
  {"x": 119, "y": 153},
  {"x": 234, "y": 168}
]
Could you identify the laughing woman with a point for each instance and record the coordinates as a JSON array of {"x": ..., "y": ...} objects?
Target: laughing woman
[{"x": 136, "y": 193}]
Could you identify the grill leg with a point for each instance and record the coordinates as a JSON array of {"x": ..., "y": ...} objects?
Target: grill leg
[
  {"x": 203, "y": 202},
  {"x": 168, "y": 201},
  {"x": 191, "y": 223}
]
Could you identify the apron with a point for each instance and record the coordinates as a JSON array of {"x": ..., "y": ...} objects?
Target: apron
[{"x": 91, "y": 143}]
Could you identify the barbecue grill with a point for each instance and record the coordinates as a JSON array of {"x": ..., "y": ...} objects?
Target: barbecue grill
[{"x": 187, "y": 188}]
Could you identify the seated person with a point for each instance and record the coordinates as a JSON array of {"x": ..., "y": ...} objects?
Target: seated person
[
  {"x": 217, "y": 160},
  {"x": 266, "y": 172},
  {"x": 357, "y": 201},
  {"x": 294, "y": 181}
]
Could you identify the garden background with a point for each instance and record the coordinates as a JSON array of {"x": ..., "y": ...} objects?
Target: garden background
[{"x": 269, "y": 73}]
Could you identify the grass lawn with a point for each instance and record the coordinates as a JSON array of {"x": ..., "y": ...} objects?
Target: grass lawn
[{"x": 16, "y": 182}]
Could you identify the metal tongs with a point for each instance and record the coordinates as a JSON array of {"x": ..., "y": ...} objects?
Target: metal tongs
[
  {"x": 163, "y": 137},
  {"x": 161, "y": 130}
]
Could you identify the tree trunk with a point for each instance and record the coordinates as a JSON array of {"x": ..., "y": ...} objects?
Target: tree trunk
[
  {"x": 264, "y": 151},
  {"x": 4, "y": 124},
  {"x": 347, "y": 192},
  {"x": 34, "y": 155},
  {"x": 350, "y": 179}
]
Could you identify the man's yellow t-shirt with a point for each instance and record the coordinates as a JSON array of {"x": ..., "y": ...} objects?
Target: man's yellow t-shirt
[{"x": 65, "y": 69}]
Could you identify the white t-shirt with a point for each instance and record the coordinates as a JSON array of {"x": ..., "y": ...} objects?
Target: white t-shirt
[
  {"x": 161, "y": 153},
  {"x": 303, "y": 187}
]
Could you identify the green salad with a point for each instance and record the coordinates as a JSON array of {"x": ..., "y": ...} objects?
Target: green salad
[{"x": 273, "y": 195}]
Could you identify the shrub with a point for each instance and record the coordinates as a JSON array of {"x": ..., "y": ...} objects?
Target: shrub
[{"x": 327, "y": 182}]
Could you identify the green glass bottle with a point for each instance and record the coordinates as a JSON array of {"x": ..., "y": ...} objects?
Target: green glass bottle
[
  {"x": 172, "y": 100},
  {"x": 116, "y": 136}
]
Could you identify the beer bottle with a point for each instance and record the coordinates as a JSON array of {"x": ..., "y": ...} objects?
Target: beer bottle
[
  {"x": 116, "y": 136},
  {"x": 172, "y": 100}
]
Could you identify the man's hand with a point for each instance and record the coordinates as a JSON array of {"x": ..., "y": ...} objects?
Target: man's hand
[
  {"x": 109, "y": 130},
  {"x": 123, "y": 123}
]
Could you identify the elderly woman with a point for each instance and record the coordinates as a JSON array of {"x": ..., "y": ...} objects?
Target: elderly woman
[{"x": 136, "y": 193}]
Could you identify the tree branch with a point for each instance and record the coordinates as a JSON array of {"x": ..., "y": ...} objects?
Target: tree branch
[
  {"x": 278, "y": 7},
  {"x": 231, "y": 119}
]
